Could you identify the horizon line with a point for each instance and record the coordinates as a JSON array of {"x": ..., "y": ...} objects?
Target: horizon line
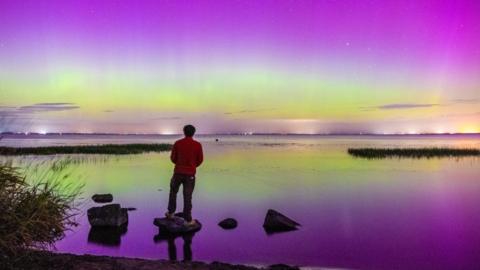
[{"x": 240, "y": 133}]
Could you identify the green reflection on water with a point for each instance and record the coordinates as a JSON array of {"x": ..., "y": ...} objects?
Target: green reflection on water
[{"x": 240, "y": 172}]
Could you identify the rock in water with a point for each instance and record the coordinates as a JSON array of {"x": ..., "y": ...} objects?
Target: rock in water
[
  {"x": 228, "y": 223},
  {"x": 102, "y": 198},
  {"x": 110, "y": 215},
  {"x": 176, "y": 225},
  {"x": 274, "y": 221}
]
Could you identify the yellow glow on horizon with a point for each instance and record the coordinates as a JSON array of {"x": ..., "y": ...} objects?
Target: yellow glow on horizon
[{"x": 469, "y": 129}]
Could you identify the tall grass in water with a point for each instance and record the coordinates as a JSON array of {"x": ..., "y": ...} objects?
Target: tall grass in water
[
  {"x": 33, "y": 215},
  {"x": 112, "y": 149},
  {"x": 374, "y": 153}
]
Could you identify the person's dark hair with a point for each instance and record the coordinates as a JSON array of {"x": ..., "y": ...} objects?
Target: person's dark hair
[{"x": 189, "y": 130}]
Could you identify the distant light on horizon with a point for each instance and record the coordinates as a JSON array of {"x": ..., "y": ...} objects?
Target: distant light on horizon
[
  {"x": 412, "y": 131},
  {"x": 167, "y": 131}
]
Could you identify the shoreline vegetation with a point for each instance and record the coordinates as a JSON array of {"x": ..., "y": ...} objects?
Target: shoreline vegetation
[
  {"x": 107, "y": 149},
  {"x": 379, "y": 153},
  {"x": 34, "y": 215}
]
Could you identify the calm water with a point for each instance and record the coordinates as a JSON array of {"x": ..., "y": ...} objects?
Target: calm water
[{"x": 355, "y": 213}]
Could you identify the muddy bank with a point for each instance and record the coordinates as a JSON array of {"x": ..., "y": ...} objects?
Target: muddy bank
[{"x": 48, "y": 260}]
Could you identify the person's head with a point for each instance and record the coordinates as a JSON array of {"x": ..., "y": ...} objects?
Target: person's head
[{"x": 189, "y": 130}]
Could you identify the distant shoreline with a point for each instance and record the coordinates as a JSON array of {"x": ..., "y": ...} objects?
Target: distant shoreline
[{"x": 25, "y": 134}]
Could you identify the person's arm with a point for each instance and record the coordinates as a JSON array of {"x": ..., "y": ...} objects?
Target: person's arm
[
  {"x": 200, "y": 156},
  {"x": 173, "y": 154}
]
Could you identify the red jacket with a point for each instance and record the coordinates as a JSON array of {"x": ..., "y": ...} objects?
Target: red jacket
[{"x": 187, "y": 155}]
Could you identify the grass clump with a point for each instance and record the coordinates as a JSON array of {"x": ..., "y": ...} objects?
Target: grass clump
[
  {"x": 374, "y": 153},
  {"x": 32, "y": 215},
  {"x": 110, "y": 149}
]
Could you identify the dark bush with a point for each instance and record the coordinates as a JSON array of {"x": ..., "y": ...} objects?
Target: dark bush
[
  {"x": 412, "y": 152},
  {"x": 111, "y": 149},
  {"x": 33, "y": 215}
]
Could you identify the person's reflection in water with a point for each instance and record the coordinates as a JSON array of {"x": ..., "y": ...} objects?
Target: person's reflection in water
[
  {"x": 172, "y": 248},
  {"x": 187, "y": 247}
]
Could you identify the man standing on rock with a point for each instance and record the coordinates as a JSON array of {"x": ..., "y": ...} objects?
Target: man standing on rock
[{"x": 187, "y": 155}]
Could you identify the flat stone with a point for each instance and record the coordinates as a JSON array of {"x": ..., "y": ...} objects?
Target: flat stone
[
  {"x": 110, "y": 215},
  {"x": 176, "y": 225},
  {"x": 102, "y": 198}
]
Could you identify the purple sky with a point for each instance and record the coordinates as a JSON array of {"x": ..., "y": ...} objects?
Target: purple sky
[{"x": 240, "y": 66}]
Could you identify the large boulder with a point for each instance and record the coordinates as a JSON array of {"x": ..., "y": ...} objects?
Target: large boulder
[
  {"x": 228, "y": 223},
  {"x": 176, "y": 225},
  {"x": 102, "y": 198},
  {"x": 110, "y": 215},
  {"x": 277, "y": 222}
]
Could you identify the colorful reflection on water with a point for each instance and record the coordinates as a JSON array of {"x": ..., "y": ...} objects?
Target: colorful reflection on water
[{"x": 355, "y": 213}]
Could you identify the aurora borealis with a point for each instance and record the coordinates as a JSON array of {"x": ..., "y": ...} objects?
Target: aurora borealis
[{"x": 240, "y": 66}]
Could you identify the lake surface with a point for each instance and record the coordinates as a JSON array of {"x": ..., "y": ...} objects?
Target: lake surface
[{"x": 355, "y": 213}]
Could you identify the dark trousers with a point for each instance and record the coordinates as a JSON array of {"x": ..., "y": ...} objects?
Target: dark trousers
[{"x": 188, "y": 182}]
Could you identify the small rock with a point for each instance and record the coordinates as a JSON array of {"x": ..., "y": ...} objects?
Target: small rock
[
  {"x": 131, "y": 209},
  {"x": 176, "y": 225},
  {"x": 102, "y": 198},
  {"x": 275, "y": 221},
  {"x": 110, "y": 215},
  {"x": 228, "y": 223}
]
